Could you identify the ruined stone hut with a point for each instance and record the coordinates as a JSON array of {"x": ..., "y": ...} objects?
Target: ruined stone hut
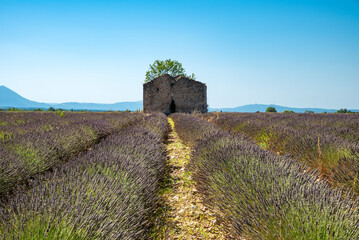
[{"x": 174, "y": 94}]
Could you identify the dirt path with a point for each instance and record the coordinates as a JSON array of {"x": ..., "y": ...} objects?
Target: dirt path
[{"x": 182, "y": 215}]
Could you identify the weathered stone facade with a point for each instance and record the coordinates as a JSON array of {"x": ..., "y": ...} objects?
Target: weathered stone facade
[{"x": 174, "y": 94}]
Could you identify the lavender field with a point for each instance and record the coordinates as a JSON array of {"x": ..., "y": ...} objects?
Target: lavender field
[
  {"x": 269, "y": 195},
  {"x": 102, "y": 175},
  {"x": 327, "y": 142}
]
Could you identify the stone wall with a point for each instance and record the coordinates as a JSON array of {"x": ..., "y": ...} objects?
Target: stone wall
[{"x": 185, "y": 94}]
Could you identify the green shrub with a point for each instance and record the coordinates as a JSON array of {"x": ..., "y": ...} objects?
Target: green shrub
[
  {"x": 13, "y": 109},
  {"x": 271, "y": 109},
  {"x": 344, "y": 110}
]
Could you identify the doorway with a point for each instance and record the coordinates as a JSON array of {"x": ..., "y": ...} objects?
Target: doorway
[{"x": 173, "y": 106}]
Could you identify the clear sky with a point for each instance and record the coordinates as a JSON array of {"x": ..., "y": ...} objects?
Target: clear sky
[{"x": 298, "y": 53}]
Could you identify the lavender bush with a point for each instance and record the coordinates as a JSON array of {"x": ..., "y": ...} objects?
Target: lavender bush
[
  {"x": 264, "y": 195},
  {"x": 109, "y": 192},
  {"x": 33, "y": 142},
  {"x": 329, "y": 142},
  {"x": 191, "y": 128}
]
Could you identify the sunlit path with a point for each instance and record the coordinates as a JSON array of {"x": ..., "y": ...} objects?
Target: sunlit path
[{"x": 182, "y": 215}]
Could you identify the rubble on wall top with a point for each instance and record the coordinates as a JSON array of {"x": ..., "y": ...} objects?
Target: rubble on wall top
[{"x": 177, "y": 78}]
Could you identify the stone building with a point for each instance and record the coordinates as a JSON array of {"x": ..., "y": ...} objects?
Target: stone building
[{"x": 174, "y": 94}]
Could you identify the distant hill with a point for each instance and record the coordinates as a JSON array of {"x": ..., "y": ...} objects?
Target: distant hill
[
  {"x": 120, "y": 106},
  {"x": 9, "y": 98},
  {"x": 263, "y": 108}
]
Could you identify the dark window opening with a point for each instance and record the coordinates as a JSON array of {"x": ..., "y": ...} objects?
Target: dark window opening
[
  {"x": 173, "y": 106},
  {"x": 157, "y": 89}
]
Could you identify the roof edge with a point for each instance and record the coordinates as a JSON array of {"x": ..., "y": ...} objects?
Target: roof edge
[{"x": 176, "y": 78}]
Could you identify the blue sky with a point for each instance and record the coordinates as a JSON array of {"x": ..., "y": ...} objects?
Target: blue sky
[{"x": 299, "y": 53}]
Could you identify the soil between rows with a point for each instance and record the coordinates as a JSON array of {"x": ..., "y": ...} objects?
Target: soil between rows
[{"x": 182, "y": 214}]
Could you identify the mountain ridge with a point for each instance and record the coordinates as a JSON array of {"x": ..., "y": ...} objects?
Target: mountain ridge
[
  {"x": 9, "y": 98},
  {"x": 263, "y": 107}
]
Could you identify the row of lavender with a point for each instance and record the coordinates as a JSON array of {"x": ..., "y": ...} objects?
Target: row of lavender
[
  {"x": 328, "y": 142},
  {"x": 264, "y": 195},
  {"x": 32, "y": 142},
  {"x": 109, "y": 192}
]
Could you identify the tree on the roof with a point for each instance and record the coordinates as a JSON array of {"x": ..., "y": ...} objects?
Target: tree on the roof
[{"x": 171, "y": 67}]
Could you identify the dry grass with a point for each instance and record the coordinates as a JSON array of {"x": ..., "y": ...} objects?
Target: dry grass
[{"x": 182, "y": 214}]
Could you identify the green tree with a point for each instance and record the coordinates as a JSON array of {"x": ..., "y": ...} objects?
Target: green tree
[
  {"x": 308, "y": 111},
  {"x": 12, "y": 109},
  {"x": 344, "y": 110},
  {"x": 271, "y": 109},
  {"x": 171, "y": 67}
]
